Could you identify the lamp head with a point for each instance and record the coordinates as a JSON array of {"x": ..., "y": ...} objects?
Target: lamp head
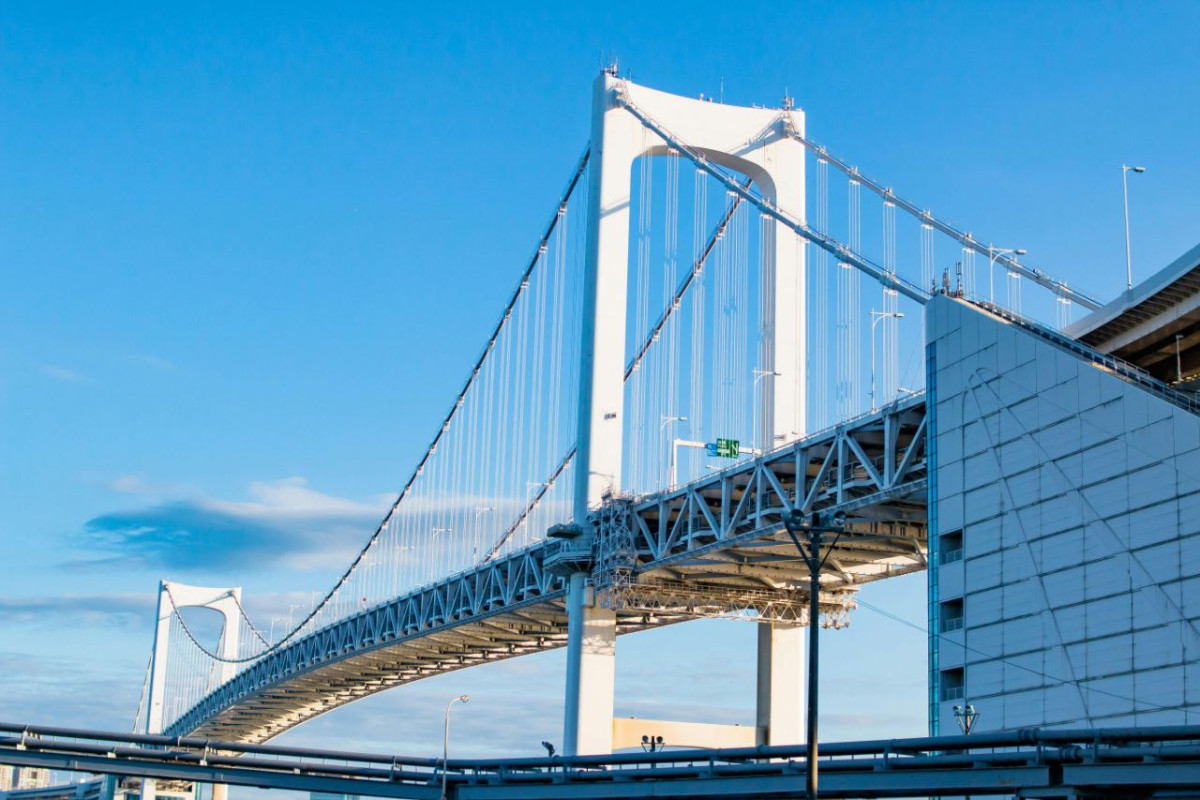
[
  {"x": 1138, "y": 169},
  {"x": 462, "y": 698},
  {"x": 1020, "y": 251}
]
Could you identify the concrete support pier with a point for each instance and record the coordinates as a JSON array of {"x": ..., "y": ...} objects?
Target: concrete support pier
[
  {"x": 591, "y": 672},
  {"x": 781, "y": 671}
]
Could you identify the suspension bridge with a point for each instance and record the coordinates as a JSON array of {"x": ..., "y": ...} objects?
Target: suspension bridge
[{"x": 689, "y": 355}]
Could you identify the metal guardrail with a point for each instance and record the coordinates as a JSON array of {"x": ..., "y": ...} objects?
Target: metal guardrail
[
  {"x": 1122, "y": 369},
  {"x": 984, "y": 763}
]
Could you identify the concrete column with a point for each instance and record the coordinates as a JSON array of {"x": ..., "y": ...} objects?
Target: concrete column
[
  {"x": 785, "y": 334},
  {"x": 158, "y": 665},
  {"x": 156, "y": 694},
  {"x": 591, "y": 672},
  {"x": 781, "y": 672},
  {"x": 228, "y": 607},
  {"x": 617, "y": 140}
]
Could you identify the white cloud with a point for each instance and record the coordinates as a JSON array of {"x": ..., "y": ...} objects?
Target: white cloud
[
  {"x": 155, "y": 361},
  {"x": 60, "y": 373},
  {"x": 283, "y": 522}
]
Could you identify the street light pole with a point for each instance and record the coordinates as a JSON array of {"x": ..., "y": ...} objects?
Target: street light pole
[
  {"x": 876, "y": 316},
  {"x": 816, "y": 526},
  {"x": 671, "y": 467},
  {"x": 1125, "y": 170},
  {"x": 992, "y": 253},
  {"x": 814, "y": 661},
  {"x": 479, "y": 511},
  {"x": 462, "y": 698},
  {"x": 966, "y": 718}
]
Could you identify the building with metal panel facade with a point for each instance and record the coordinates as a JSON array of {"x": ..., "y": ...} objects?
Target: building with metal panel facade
[{"x": 1065, "y": 584}]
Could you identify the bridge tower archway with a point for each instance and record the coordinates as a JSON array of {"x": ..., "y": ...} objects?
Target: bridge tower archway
[{"x": 756, "y": 143}]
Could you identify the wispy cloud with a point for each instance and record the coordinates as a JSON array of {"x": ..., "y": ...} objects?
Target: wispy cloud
[
  {"x": 68, "y": 691},
  {"x": 60, "y": 373},
  {"x": 157, "y": 362},
  {"x": 284, "y": 522},
  {"x": 106, "y": 609},
  {"x": 140, "y": 485}
]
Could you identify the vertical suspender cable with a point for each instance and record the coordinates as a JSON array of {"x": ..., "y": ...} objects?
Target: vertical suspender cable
[{"x": 696, "y": 380}]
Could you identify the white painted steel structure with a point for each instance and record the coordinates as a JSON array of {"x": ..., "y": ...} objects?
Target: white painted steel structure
[
  {"x": 553, "y": 421},
  {"x": 754, "y": 143},
  {"x": 716, "y": 547}
]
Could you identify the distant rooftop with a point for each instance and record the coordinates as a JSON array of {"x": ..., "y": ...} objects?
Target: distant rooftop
[{"x": 1141, "y": 324}]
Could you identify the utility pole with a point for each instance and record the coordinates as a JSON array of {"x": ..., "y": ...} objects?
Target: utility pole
[{"x": 815, "y": 527}]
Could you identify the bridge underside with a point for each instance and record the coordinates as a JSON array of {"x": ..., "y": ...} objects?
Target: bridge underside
[
  {"x": 533, "y": 626},
  {"x": 715, "y": 547},
  {"x": 720, "y": 545}
]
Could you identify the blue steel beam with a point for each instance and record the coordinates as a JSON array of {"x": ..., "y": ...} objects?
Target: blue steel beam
[{"x": 1029, "y": 762}]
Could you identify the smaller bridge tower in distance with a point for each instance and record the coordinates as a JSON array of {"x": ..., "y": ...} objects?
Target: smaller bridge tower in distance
[{"x": 173, "y": 597}]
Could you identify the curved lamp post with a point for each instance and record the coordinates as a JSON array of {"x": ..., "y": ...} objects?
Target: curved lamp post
[
  {"x": 462, "y": 698},
  {"x": 1125, "y": 170},
  {"x": 992, "y": 253}
]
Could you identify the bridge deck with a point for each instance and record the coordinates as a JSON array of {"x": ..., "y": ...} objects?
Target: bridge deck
[{"x": 713, "y": 547}]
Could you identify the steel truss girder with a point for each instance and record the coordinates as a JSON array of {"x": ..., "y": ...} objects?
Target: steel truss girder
[
  {"x": 715, "y": 547},
  {"x": 345, "y": 656},
  {"x": 727, "y": 531}
]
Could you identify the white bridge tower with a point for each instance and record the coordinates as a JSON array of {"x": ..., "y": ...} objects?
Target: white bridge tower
[
  {"x": 755, "y": 143},
  {"x": 173, "y": 597}
]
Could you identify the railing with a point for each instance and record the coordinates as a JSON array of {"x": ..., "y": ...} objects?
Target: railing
[
  {"x": 1000, "y": 762},
  {"x": 1123, "y": 369},
  {"x": 950, "y": 556}
]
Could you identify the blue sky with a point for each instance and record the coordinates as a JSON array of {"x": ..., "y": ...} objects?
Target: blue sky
[{"x": 241, "y": 244}]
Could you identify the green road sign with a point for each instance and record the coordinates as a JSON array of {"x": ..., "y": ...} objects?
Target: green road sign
[{"x": 728, "y": 448}]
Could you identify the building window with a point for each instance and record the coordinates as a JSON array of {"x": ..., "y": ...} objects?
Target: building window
[
  {"x": 950, "y": 547},
  {"x": 953, "y": 681},
  {"x": 952, "y": 615}
]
